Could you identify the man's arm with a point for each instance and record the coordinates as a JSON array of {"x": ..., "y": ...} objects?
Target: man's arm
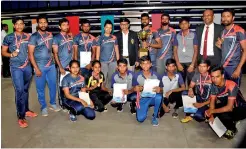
[
  {"x": 194, "y": 55},
  {"x": 55, "y": 51},
  {"x": 227, "y": 108},
  {"x": 75, "y": 54},
  {"x": 98, "y": 52},
  {"x": 158, "y": 45}
]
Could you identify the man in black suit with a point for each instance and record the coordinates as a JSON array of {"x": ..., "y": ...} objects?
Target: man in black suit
[
  {"x": 207, "y": 35},
  {"x": 128, "y": 44}
]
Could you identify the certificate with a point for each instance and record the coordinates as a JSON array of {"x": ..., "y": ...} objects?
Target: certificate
[
  {"x": 118, "y": 93},
  {"x": 218, "y": 127},
  {"x": 85, "y": 96},
  {"x": 149, "y": 85},
  {"x": 188, "y": 104},
  {"x": 62, "y": 76},
  {"x": 85, "y": 58}
]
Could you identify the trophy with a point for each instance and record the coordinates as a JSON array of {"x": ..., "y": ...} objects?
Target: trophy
[{"x": 143, "y": 36}]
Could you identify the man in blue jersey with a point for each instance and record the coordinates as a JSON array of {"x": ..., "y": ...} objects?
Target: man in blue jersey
[
  {"x": 40, "y": 54},
  {"x": 14, "y": 46}
]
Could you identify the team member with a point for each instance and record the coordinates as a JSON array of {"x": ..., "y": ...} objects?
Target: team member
[
  {"x": 72, "y": 83},
  {"x": 85, "y": 42},
  {"x": 153, "y": 41},
  {"x": 99, "y": 94},
  {"x": 233, "y": 47},
  {"x": 143, "y": 103},
  {"x": 21, "y": 71},
  {"x": 40, "y": 55},
  {"x": 201, "y": 83},
  {"x": 226, "y": 102},
  {"x": 173, "y": 85},
  {"x": 167, "y": 35},
  {"x": 185, "y": 50},
  {"x": 5, "y": 60},
  {"x": 108, "y": 52},
  {"x": 124, "y": 76}
]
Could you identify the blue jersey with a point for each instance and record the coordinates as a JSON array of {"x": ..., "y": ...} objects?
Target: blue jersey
[
  {"x": 21, "y": 60},
  {"x": 65, "y": 48},
  {"x": 43, "y": 48}
]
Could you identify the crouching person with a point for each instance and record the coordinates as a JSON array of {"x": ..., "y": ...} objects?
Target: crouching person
[{"x": 72, "y": 83}]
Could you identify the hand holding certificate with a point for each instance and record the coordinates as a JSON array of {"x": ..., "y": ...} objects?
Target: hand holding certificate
[
  {"x": 188, "y": 104},
  {"x": 118, "y": 95},
  {"x": 85, "y": 59},
  {"x": 149, "y": 85}
]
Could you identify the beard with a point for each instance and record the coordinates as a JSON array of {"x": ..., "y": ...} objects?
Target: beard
[
  {"x": 86, "y": 31},
  {"x": 227, "y": 23},
  {"x": 164, "y": 24},
  {"x": 43, "y": 29}
]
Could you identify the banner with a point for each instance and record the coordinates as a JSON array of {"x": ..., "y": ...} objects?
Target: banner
[
  {"x": 74, "y": 24},
  {"x": 10, "y": 25},
  {"x": 103, "y": 19},
  {"x": 156, "y": 21}
]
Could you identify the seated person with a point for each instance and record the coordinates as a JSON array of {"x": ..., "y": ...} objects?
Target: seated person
[
  {"x": 201, "y": 82},
  {"x": 72, "y": 83},
  {"x": 173, "y": 85},
  {"x": 143, "y": 103},
  {"x": 99, "y": 94},
  {"x": 226, "y": 102},
  {"x": 124, "y": 76}
]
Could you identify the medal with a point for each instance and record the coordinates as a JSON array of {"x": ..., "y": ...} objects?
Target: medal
[
  {"x": 17, "y": 50},
  {"x": 18, "y": 43},
  {"x": 68, "y": 44},
  {"x": 183, "y": 40},
  {"x": 183, "y": 49}
]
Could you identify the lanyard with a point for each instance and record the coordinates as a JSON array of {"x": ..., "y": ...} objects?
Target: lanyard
[
  {"x": 183, "y": 40},
  {"x": 46, "y": 42},
  {"x": 202, "y": 83},
  {"x": 67, "y": 41},
  {"x": 17, "y": 43},
  {"x": 85, "y": 42},
  {"x": 223, "y": 35}
]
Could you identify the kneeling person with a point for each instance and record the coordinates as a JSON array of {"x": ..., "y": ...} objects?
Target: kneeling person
[
  {"x": 72, "y": 83},
  {"x": 143, "y": 103},
  {"x": 124, "y": 76}
]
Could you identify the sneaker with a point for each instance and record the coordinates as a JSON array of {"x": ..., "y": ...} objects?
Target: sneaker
[
  {"x": 175, "y": 114},
  {"x": 54, "y": 108},
  {"x": 229, "y": 134},
  {"x": 31, "y": 114},
  {"x": 44, "y": 112},
  {"x": 119, "y": 108},
  {"x": 186, "y": 119},
  {"x": 22, "y": 123},
  {"x": 105, "y": 109},
  {"x": 155, "y": 121},
  {"x": 132, "y": 108},
  {"x": 72, "y": 117}
]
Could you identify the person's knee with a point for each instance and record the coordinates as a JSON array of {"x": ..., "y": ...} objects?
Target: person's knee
[
  {"x": 141, "y": 118},
  {"x": 89, "y": 113},
  {"x": 158, "y": 98}
]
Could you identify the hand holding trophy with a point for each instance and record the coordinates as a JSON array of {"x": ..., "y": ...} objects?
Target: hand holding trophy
[{"x": 143, "y": 36}]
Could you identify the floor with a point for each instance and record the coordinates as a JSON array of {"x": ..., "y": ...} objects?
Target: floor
[{"x": 109, "y": 129}]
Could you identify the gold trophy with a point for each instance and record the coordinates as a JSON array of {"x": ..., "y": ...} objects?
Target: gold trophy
[{"x": 143, "y": 36}]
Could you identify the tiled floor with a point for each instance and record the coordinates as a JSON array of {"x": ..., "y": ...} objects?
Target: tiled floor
[{"x": 109, "y": 129}]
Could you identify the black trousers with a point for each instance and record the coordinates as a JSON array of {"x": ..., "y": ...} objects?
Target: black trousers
[
  {"x": 5, "y": 67},
  {"x": 100, "y": 99},
  {"x": 174, "y": 97},
  {"x": 229, "y": 119},
  {"x": 185, "y": 74}
]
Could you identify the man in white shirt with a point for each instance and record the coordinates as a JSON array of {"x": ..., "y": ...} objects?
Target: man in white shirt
[
  {"x": 128, "y": 44},
  {"x": 5, "y": 60},
  {"x": 207, "y": 35}
]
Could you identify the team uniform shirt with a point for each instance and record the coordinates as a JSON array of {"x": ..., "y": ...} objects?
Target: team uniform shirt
[
  {"x": 139, "y": 78},
  {"x": 167, "y": 37},
  {"x": 43, "y": 48},
  {"x": 116, "y": 78},
  {"x": 91, "y": 81},
  {"x": 12, "y": 41},
  {"x": 151, "y": 39},
  {"x": 202, "y": 85},
  {"x": 107, "y": 50},
  {"x": 73, "y": 84},
  {"x": 229, "y": 91},
  {"x": 231, "y": 48},
  {"x": 185, "y": 46},
  {"x": 65, "y": 48},
  {"x": 84, "y": 43},
  {"x": 169, "y": 84}
]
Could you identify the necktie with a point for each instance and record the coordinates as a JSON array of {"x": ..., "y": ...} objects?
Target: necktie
[{"x": 205, "y": 44}]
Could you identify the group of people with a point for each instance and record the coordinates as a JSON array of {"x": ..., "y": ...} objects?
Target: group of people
[{"x": 209, "y": 61}]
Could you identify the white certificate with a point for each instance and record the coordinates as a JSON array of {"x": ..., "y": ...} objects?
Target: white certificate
[
  {"x": 218, "y": 127},
  {"x": 188, "y": 104},
  {"x": 118, "y": 93},
  {"x": 149, "y": 85},
  {"x": 85, "y": 96},
  {"x": 62, "y": 76},
  {"x": 85, "y": 58}
]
